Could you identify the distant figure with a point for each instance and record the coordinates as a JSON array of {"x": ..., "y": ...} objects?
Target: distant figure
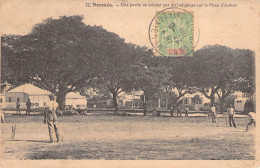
[
  {"x": 213, "y": 114},
  {"x": 157, "y": 113},
  {"x": 2, "y": 116},
  {"x": 179, "y": 113},
  {"x": 50, "y": 116},
  {"x": 231, "y": 113},
  {"x": 2, "y": 106},
  {"x": 252, "y": 121},
  {"x": 28, "y": 105},
  {"x": 154, "y": 112},
  {"x": 18, "y": 107},
  {"x": 186, "y": 111}
]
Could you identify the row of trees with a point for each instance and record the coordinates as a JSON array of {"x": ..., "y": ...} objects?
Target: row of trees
[{"x": 64, "y": 55}]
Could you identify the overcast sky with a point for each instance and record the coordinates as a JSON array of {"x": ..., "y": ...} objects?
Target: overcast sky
[{"x": 236, "y": 27}]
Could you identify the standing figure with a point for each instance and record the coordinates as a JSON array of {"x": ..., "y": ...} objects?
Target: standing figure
[
  {"x": 158, "y": 113},
  {"x": 179, "y": 111},
  {"x": 154, "y": 112},
  {"x": 213, "y": 114},
  {"x": 50, "y": 116},
  {"x": 231, "y": 113},
  {"x": 252, "y": 121},
  {"x": 28, "y": 105},
  {"x": 186, "y": 111},
  {"x": 2, "y": 116},
  {"x": 18, "y": 107},
  {"x": 2, "y": 106}
]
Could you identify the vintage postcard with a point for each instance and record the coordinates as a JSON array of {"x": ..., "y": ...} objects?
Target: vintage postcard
[{"x": 120, "y": 83}]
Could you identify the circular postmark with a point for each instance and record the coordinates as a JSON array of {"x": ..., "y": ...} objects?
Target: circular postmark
[{"x": 174, "y": 32}]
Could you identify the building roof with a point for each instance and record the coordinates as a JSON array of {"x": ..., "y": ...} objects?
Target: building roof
[
  {"x": 241, "y": 98},
  {"x": 29, "y": 89},
  {"x": 193, "y": 94},
  {"x": 73, "y": 95}
]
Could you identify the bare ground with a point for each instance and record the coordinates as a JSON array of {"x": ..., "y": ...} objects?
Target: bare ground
[{"x": 129, "y": 138}]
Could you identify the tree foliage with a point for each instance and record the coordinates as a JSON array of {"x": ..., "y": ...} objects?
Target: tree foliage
[
  {"x": 221, "y": 70},
  {"x": 117, "y": 67},
  {"x": 62, "y": 55},
  {"x": 148, "y": 79}
]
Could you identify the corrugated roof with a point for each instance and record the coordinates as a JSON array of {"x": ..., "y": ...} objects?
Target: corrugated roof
[{"x": 30, "y": 89}]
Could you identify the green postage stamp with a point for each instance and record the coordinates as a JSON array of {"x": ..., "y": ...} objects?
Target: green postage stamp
[{"x": 174, "y": 33}]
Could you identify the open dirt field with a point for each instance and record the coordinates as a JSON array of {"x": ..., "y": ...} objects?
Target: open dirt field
[{"x": 128, "y": 138}]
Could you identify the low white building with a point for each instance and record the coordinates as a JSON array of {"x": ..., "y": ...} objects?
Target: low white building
[
  {"x": 75, "y": 100},
  {"x": 188, "y": 99},
  {"x": 239, "y": 104},
  {"x": 130, "y": 100},
  {"x": 37, "y": 96}
]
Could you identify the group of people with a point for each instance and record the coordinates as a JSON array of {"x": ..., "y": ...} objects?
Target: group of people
[
  {"x": 50, "y": 117},
  {"x": 230, "y": 116},
  {"x": 180, "y": 110},
  {"x": 51, "y": 110},
  {"x": 28, "y": 106}
]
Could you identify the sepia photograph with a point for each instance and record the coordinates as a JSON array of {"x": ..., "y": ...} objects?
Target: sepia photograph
[{"x": 120, "y": 83}]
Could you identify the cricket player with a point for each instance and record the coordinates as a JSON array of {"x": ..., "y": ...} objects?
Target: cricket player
[
  {"x": 252, "y": 121},
  {"x": 213, "y": 114},
  {"x": 50, "y": 110},
  {"x": 28, "y": 105},
  {"x": 2, "y": 106},
  {"x": 179, "y": 111},
  {"x": 2, "y": 115},
  {"x": 186, "y": 111},
  {"x": 18, "y": 111},
  {"x": 231, "y": 113}
]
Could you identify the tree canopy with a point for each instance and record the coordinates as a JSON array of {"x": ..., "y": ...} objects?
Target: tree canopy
[
  {"x": 221, "y": 70},
  {"x": 64, "y": 55}
]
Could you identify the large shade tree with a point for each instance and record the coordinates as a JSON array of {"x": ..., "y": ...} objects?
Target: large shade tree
[
  {"x": 177, "y": 78},
  {"x": 148, "y": 79},
  {"x": 62, "y": 55},
  {"x": 219, "y": 70},
  {"x": 117, "y": 71}
]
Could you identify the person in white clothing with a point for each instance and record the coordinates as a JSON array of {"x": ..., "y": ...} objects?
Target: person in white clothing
[
  {"x": 231, "y": 113},
  {"x": 50, "y": 117}
]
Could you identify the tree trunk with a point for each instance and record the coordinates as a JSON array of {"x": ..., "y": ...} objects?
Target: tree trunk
[
  {"x": 221, "y": 106},
  {"x": 115, "y": 102},
  {"x": 171, "y": 111},
  {"x": 61, "y": 100},
  {"x": 144, "y": 105},
  {"x": 145, "y": 108},
  {"x": 174, "y": 104},
  {"x": 212, "y": 100}
]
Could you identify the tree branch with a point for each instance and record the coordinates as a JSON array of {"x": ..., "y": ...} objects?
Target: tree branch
[
  {"x": 204, "y": 92},
  {"x": 43, "y": 84},
  {"x": 219, "y": 95}
]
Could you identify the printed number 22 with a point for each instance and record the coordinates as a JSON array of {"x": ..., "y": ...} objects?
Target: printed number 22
[{"x": 88, "y": 5}]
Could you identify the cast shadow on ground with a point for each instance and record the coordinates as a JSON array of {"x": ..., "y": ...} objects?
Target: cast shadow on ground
[{"x": 43, "y": 141}]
